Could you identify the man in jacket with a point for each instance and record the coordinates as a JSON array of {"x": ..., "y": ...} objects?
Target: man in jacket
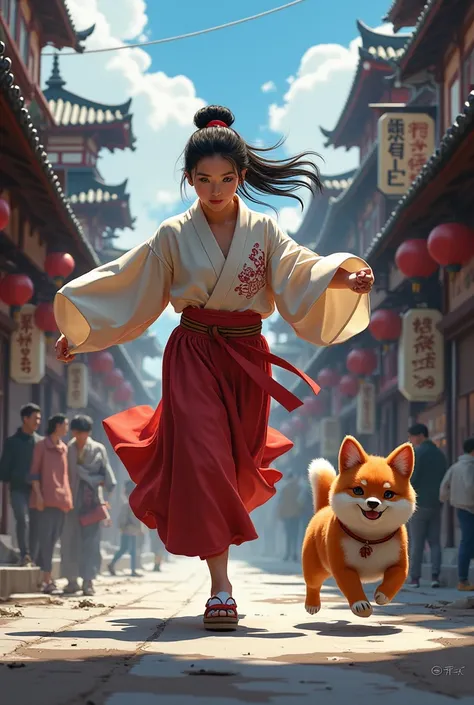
[
  {"x": 425, "y": 525},
  {"x": 458, "y": 488},
  {"x": 15, "y": 466}
]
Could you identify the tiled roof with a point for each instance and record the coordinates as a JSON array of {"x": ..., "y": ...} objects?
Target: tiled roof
[
  {"x": 423, "y": 17},
  {"x": 338, "y": 182},
  {"x": 463, "y": 125},
  {"x": 84, "y": 188},
  {"x": 381, "y": 46},
  {"x": 43, "y": 8},
  {"x": 69, "y": 109},
  {"x": 16, "y": 101},
  {"x": 401, "y": 12}
]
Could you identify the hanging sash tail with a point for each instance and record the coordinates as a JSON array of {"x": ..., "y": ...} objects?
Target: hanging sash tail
[{"x": 190, "y": 321}]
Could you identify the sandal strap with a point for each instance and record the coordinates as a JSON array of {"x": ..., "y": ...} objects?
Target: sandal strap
[{"x": 221, "y": 606}]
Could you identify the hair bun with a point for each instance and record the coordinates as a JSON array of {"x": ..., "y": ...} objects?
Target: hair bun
[{"x": 213, "y": 112}]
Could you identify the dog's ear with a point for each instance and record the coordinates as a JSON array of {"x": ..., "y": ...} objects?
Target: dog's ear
[
  {"x": 351, "y": 454},
  {"x": 402, "y": 460}
]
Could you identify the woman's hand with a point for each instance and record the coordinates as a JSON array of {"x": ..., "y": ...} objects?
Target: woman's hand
[
  {"x": 62, "y": 350},
  {"x": 362, "y": 281}
]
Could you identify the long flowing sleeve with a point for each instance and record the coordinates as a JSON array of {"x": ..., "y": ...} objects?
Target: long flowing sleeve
[
  {"x": 116, "y": 302},
  {"x": 300, "y": 281}
]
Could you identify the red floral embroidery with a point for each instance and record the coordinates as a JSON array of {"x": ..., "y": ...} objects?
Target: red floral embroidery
[{"x": 253, "y": 278}]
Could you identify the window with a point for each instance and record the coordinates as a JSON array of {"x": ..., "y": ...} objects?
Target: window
[
  {"x": 469, "y": 71},
  {"x": 23, "y": 41},
  {"x": 72, "y": 158},
  {"x": 454, "y": 100},
  {"x": 53, "y": 157}
]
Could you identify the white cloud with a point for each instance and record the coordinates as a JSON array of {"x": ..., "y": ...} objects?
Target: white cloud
[
  {"x": 163, "y": 107},
  {"x": 289, "y": 218},
  {"x": 268, "y": 87},
  {"x": 316, "y": 97}
]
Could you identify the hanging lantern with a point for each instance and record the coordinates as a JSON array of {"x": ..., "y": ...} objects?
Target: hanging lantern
[
  {"x": 313, "y": 406},
  {"x": 102, "y": 362},
  {"x": 385, "y": 326},
  {"x": 4, "y": 213},
  {"x": 45, "y": 320},
  {"x": 415, "y": 262},
  {"x": 349, "y": 386},
  {"x": 114, "y": 378},
  {"x": 451, "y": 245},
  {"x": 58, "y": 266},
  {"x": 123, "y": 393},
  {"x": 16, "y": 290},
  {"x": 362, "y": 362},
  {"x": 328, "y": 378}
]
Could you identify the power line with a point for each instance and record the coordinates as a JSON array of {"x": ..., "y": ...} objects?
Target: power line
[{"x": 184, "y": 36}]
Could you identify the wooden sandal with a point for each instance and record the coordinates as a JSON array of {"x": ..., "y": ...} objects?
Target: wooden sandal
[{"x": 222, "y": 602}]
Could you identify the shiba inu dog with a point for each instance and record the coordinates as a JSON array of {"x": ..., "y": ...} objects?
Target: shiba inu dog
[{"x": 357, "y": 534}]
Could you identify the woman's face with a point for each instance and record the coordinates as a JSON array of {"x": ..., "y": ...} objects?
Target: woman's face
[
  {"x": 62, "y": 429},
  {"x": 216, "y": 181}
]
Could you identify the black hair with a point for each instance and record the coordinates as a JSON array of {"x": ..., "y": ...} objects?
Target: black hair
[
  {"x": 468, "y": 445},
  {"x": 275, "y": 177},
  {"x": 28, "y": 409},
  {"x": 82, "y": 423},
  {"x": 418, "y": 429},
  {"x": 55, "y": 421}
]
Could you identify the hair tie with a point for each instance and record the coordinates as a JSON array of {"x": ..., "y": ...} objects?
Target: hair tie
[{"x": 216, "y": 123}]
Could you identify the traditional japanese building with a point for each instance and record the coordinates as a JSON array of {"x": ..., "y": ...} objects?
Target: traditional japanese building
[
  {"x": 42, "y": 242},
  {"x": 82, "y": 129}
]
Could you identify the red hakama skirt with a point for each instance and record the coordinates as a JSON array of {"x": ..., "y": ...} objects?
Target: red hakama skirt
[{"x": 201, "y": 460}]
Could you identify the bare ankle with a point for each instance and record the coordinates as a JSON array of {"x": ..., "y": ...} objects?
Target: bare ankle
[{"x": 221, "y": 587}]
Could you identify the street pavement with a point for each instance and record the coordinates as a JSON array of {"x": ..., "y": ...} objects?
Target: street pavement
[{"x": 141, "y": 642}]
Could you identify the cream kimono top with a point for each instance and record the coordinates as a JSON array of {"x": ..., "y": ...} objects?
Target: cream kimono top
[{"x": 183, "y": 264}]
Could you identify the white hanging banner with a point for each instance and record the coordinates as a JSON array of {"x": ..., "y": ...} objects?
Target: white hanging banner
[
  {"x": 366, "y": 409},
  {"x": 330, "y": 435},
  {"x": 27, "y": 349},
  {"x": 77, "y": 385},
  {"x": 421, "y": 356}
]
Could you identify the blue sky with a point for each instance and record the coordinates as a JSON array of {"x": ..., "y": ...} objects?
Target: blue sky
[{"x": 285, "y": 74}]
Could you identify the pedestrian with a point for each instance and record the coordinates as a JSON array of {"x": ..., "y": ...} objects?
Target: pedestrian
[
  {"x": 15, "y": 466},
  {"x": 458, "y": 488},
  {"x": 158, "y": 549},
  {"x": 131, "y": 529},
  {"x": 90, "y": 474},
  {"x": 224, "y": 267},
  {"x": 290, "y": 510},
  {"x": 425, "y": 524},
  {"x": 51, "y": 494}
]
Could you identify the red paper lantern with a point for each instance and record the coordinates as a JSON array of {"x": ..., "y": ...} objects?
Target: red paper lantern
[
  {"x": 123, "y": 393},
  {"x": 451, "y": 245},
  {"x": 44, "y": 317},
  {"x": 362, "y": 362},
  {"x": 4, "y": 213},
  {"x": 328, "y": 378},
  {"x": 313, "y": 406},
  {"x": 59, "y": 265},
  {"x": 385, "y": 325},
  {"x": 415, "y": 262},
  {"x": 102, "y": 362},
  {"x": 16, "y": 289},
  {"x": 114, "y": 378},
  {"x": 349, "y": 386}
]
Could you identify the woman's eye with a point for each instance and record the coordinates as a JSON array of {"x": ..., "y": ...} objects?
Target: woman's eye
[
  {"x": 203, "y": 180},
  {"x": 389, "y": 494},
  {"x": 358, "y": 490},
  {"x": 228, "y": 179}
]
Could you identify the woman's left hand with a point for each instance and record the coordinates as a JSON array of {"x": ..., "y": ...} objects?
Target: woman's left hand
[{"x": 362, "y": 281}]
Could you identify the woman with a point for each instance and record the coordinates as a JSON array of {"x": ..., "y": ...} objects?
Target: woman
[
  {"x": 201, "y": 460},
  {"x": 89, "y": 474},
  {"x": 51, "y": 495}
]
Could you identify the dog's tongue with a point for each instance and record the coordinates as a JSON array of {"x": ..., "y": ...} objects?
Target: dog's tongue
[{"x": 372, "y": 515}]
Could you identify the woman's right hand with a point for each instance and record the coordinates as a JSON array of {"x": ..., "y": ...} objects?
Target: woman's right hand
[{"x": 62, "y": 350}]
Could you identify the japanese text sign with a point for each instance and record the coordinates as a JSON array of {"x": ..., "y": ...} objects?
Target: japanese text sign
[
  {"x": 421, "y": 356},
  {"x": 406, "y": 142},
  {"x": 77, "y": 385},
  {"x": 27, "y": 349},
  {"x": 365, "y": 417}
]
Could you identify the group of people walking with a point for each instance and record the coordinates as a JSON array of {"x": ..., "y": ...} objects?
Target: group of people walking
[{"x": 59, "y": 491}]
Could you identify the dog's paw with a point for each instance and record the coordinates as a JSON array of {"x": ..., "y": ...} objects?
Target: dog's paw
[
  {"x": 312, "y": 609},
  {"x": 361, "y": 608},
  {"x": 381, "y": 599}
]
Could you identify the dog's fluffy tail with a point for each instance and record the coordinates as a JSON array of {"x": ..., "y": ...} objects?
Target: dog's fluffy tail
[{"x": 321, "y": 476}]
